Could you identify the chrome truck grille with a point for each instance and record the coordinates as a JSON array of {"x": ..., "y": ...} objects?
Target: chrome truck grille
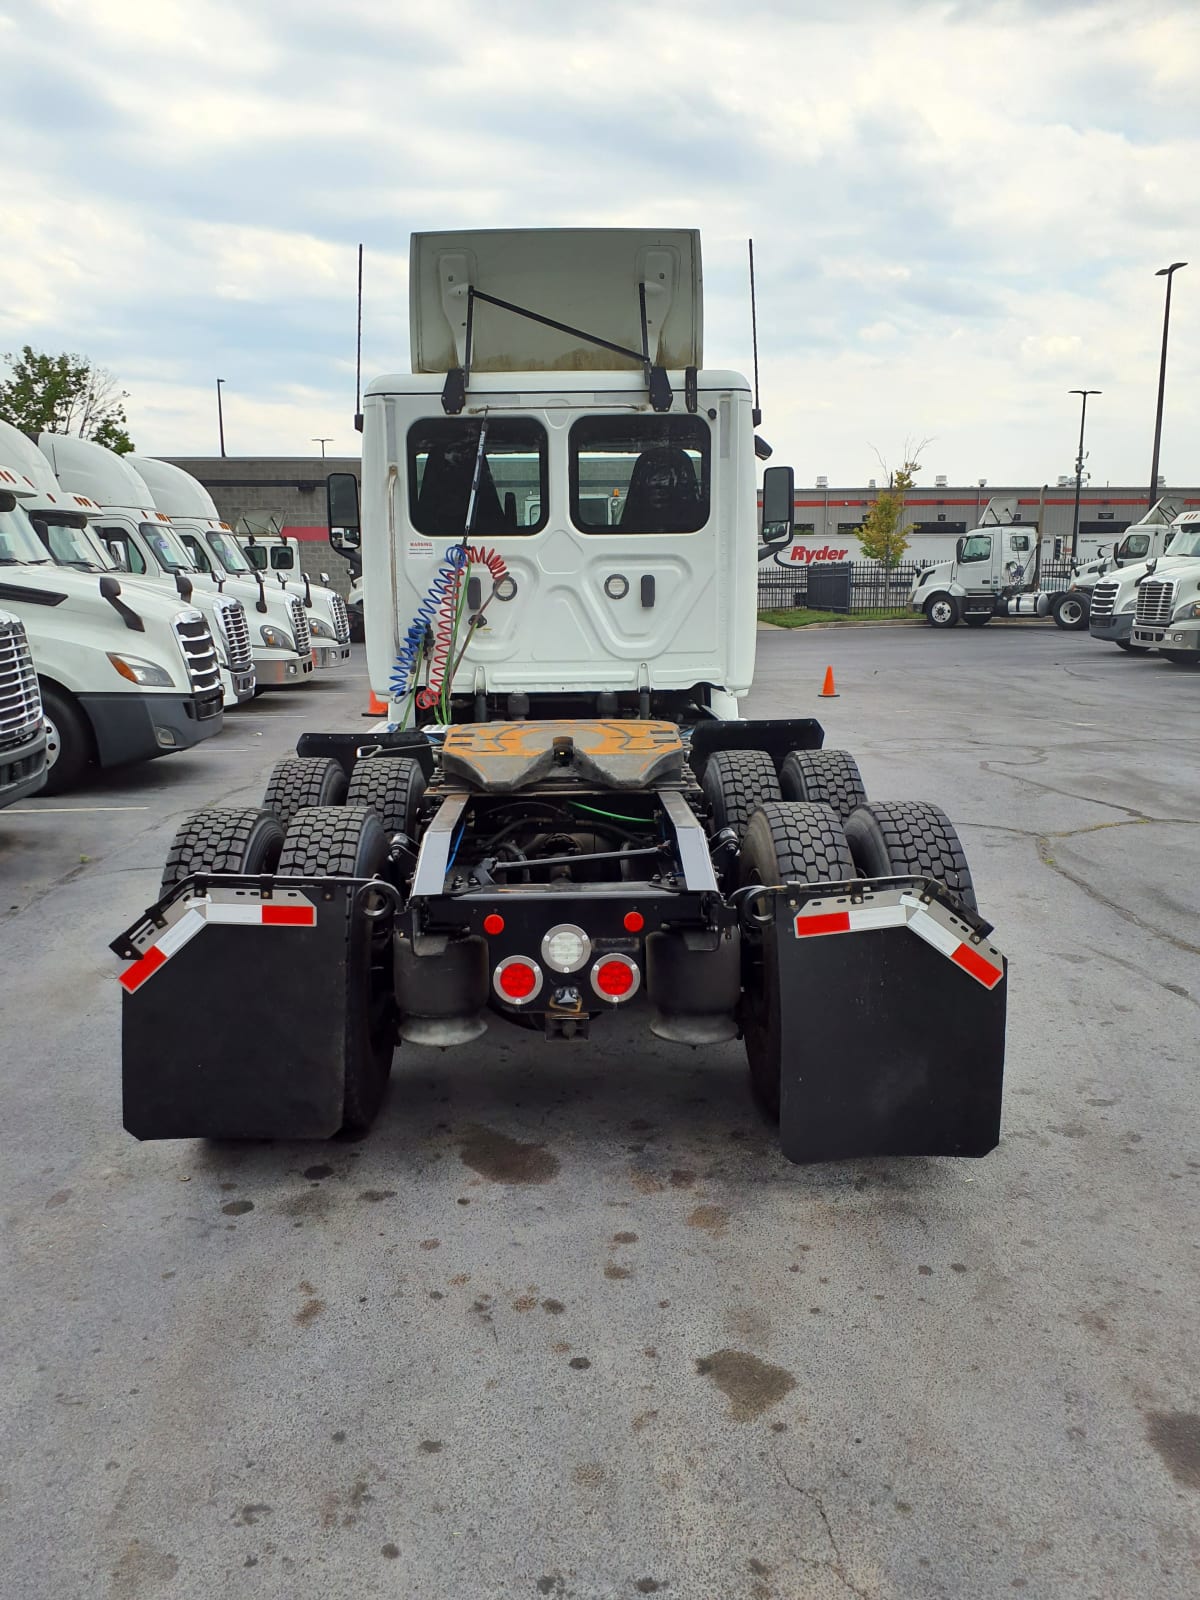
[
  {"x": 231, "y": 614},
  {"x": 20, "y": 702},
  {"x": 300, "y": 627},
  {"x": 1155, "y": 600},
  {"x": 341, "y": 618},
  {"x": 1104, "y": 598},
  {"x": 198, "y": 651}
]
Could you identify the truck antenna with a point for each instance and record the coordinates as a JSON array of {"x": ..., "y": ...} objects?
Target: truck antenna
[
  {"x": 757, "y": 413},
  {"x": 358, "y": 415}
]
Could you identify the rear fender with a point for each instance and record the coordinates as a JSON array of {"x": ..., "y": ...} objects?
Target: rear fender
[{"x": 893, "y": 1007}]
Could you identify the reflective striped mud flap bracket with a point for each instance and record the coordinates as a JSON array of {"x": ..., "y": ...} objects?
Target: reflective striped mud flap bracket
[
  {"x": 892, "y": 1020},
  {"x": 234, "y": 1010}
]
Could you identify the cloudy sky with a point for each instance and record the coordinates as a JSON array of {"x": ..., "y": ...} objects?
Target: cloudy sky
[{"x": 957, "y": 207}]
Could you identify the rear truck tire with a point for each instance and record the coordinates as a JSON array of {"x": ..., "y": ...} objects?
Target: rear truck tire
[
  {"x": 69, "y": 744},
  {"x": 941, "y": 611},
  {"x": 299, "y": 782},
  {"x": 823, "y": 777},
  {"x": 349, "y": 842},
  {"x": 223, "y": 839},
  {"x": 736, "y": 783},
  {"x": 909, "y": 838},
  {"x": 1072, "y": 612},
  {"x": 977, "y": 619},
  {"x": 1132, "y": 649},
  {"x": 1180, "y": 658},
  {"x": 785, "y": 841},
  {"x": 391, "y": 787}
]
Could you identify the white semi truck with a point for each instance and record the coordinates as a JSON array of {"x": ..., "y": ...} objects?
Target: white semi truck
[
  {"x": 563, "y": 815},
  {"x": 139, "y": 545},
  {"x": 195, "y": 518},
  {"x": 123, "y": 677},
  {"x": 995, "y": 572},
  {"x": 22, "y": 729},
  {"x": 142, "y": 542},
  {"x": 1155, "y": 605}
]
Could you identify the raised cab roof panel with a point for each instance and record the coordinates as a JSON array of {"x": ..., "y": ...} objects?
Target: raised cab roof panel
[{"x": 588, "y": 278}]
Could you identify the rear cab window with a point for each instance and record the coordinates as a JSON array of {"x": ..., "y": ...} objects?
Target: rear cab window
[
  {"x": 640, "y": 474},
  {"x": 512, "y": 496}
]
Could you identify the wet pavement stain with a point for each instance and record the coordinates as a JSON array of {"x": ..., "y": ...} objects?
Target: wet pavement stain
[
  {"x": 645, "y": 1182},
  {"x": 625, "y": 1238},
  {"x": 553, "y": 1308},
  {"x": 682, "y": 1178},
  {"x": 391, "y": 1551},
  {"x": 579, "y": 1363},
  {"x": 58, "y": 1198},
  {"x": 309, "y": 1312},
  {"x": 237, "y": 1208},
  {"x": 247, "y": 1516},
  {"x": 612, "y": 1270},
  {"x": 590, "y": 1475},
  {"x": 374, "y": 1196},
  {"x": 1176, "y": 1437},
  {"x": 315, "y": 1174},
  {"x": 503, "y": 1160},
  {"x": 140, "y": 1570},
  {"x": 709, "y": 1219},
  {"x": 430, "y": 1447},
  {"x": 750, "y": 1385},
  {"x": 525, "y": 1302}
]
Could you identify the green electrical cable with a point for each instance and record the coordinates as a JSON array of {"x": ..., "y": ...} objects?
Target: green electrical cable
[{"x": 614, "y": 815}]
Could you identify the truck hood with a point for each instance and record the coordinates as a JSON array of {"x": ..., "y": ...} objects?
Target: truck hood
[
  {"x": 1164, "y": 567},
  {"x": 81, "y": 597}
]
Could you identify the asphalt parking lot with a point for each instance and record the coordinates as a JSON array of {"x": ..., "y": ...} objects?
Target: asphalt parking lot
[{"x": 565, "y": 1324}]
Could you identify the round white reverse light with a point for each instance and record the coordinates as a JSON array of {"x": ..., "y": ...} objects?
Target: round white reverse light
[{"x": 566, "y": 948}]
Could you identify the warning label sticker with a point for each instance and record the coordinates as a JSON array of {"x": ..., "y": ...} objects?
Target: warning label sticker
[{"x": 419, "y": 547}]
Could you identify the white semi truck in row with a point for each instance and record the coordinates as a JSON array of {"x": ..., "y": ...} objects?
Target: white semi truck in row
[
  {"x": 64, "y": 522},
  {"x": 22, "y": 728},
  {"x": 196, "y": 521},
  {"x": 1155, "y": 604},
  {"x": 564, "y": 814},
  {"x": 122, "y": 677}
]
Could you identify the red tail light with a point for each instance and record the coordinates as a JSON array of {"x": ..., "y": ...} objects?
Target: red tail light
[
  {"x": 517, "y": 980},
  {"x": 615, "y": 978}
]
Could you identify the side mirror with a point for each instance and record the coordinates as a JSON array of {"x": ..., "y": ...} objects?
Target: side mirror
[
  {"x": 110, "y": 589},
  {"x": 341, "y": 502},
  {"x": 778, "y": 506},
  {"x": 184, "y": 585},
  {"x": 324, "y": 577}
]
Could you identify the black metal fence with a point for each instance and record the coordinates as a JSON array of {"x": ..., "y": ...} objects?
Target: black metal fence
[
  {"x": 853, "y": 587},
  {"x": 845, "y": 586}
]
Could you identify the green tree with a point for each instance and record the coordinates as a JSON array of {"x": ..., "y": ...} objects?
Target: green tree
[
  {"x": 882, "y": 537},
  {"x": 64, "y": 394}
]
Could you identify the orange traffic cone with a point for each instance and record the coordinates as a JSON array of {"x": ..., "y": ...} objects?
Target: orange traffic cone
[
  {"x": 376, "y": 707},
  {"x": 828, "y": 692}
]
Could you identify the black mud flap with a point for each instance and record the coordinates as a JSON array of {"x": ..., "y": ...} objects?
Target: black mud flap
[
  {"x": 234, "y": 1012},
  {"x": 892, "y": 1021}
]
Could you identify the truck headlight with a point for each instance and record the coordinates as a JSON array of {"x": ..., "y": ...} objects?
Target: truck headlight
[
  {"x": 320, "y": 629},
  {"x": 143, "y": 673},
  {"x": 1130, "y": 604},
  {"x": 1188, "y": 612},
  {"x": 277, "y": 638}
]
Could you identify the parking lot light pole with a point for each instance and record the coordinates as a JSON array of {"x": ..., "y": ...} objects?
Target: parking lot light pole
[
  {"x": 1079, "y": 466},
  {"x": 1168, "y": 273},
  {"x": 220, "y": 416}
]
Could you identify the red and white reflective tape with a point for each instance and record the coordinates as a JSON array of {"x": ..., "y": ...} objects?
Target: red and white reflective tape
[
  {"x": 198, "y": 913},
  {"x": 981, "y": 962}
]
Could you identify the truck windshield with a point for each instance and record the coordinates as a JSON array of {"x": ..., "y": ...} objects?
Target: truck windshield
[
  {"x": 512, "y": 495},
  {"x": 1185, "y": 543},
  {"x": 71, "y": 546},
  {"x": 640, "y": 474},
  {"x": 172, "y": 557},
  {"x": 19, "y": 545},
  {"x": 227, "y": 552}
]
